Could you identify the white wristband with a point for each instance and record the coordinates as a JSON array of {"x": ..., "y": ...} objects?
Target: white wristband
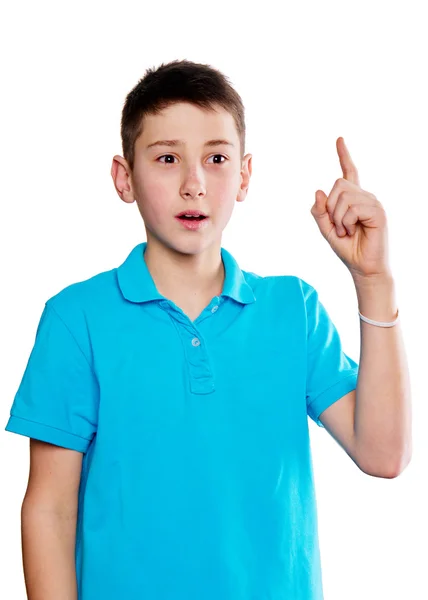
[{"x": 379, "y": 323}]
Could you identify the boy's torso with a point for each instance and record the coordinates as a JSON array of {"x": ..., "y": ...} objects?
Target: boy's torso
[
  {"x": 197, "y": 482},
  {"x": 202, "y": 441}
]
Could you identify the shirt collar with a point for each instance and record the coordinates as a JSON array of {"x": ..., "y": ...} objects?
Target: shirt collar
[{"x": 137, "y": 285}]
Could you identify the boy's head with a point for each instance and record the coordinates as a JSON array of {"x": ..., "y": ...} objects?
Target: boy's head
[{"x": 195, "y": 104}]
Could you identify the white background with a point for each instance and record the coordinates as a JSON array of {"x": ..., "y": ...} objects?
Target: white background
[{"x": 308, "y": 73}]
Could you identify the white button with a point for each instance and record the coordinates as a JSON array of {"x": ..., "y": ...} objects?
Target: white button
[
  {"x": 214, "y": 309},
  {"x": 195, "y": 342}
]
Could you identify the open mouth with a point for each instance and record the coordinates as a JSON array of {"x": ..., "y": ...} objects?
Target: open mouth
[{"x": 194, "y": 223}]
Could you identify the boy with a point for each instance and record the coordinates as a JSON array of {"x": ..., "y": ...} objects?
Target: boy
[{"x": 166, "y": 400}]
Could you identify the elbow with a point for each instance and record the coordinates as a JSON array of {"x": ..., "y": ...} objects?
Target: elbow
[{"x": 387, "y": 471}]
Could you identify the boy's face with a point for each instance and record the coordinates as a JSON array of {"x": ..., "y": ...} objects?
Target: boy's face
[{"x": 169, "y": 179}]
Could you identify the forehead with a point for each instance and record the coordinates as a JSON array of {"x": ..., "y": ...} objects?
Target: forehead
[{"x": 188, "y": 122}]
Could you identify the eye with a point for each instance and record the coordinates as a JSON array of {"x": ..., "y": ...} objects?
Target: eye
[
  {"x": 219, "y": 163},
  {"x": 171, "y": 155}
]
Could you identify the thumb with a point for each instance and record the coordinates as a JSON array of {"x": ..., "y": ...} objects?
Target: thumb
[{"x": 320, "y": 214}]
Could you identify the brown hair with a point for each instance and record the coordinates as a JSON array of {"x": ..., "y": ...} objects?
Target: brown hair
[{"x": 178, "y": 81}]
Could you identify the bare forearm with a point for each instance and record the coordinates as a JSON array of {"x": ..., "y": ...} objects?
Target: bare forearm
[
  {"x": 48, "y": 551},
  {"x": 383, "y": 398}
]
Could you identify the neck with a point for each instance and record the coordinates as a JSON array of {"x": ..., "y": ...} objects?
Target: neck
[{"x": 176, "y": 274}]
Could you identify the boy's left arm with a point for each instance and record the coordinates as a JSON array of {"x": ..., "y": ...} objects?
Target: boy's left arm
[
  {"x": 383, "y": 406},
  {"x": 373, "y": 422}
]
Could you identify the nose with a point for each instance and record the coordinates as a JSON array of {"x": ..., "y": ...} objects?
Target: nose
[{"x": 193, "y": 185}]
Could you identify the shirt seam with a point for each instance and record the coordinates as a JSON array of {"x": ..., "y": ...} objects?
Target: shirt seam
[
  {"x": 354, "y": 370},
  {"x": 50, "y": 427}
]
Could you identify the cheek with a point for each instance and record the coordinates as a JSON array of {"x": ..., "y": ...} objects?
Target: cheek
[
  {"x": 153, "y": 187},
  {"x": 223, "y": 198},
  {"x": 155, "y": 199},
  {"x": 155, "y": 210}
]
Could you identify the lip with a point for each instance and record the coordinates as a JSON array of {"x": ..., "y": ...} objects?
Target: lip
[
  {"x": 193, "y": 225},
  {"x": 193, "y": 213}
]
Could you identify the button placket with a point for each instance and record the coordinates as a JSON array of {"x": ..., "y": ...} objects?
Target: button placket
[{"x": 201, "y": 378}]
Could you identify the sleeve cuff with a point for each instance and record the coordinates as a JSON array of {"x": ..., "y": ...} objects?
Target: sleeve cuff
[
  {"x": 45, "y": 433},
  {"x": 331, "y": 395}
]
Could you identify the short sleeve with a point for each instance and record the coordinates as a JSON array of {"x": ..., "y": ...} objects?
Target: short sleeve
[
  {"x": 57, "y": 400},
  {"x": 330, "y": 372}
]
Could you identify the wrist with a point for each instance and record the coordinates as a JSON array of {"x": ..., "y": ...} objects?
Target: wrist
[
  {"x": 376, "y": 280},
  {"x": 376, "y": 298}
]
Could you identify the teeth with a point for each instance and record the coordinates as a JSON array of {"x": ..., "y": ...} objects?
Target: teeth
[{"x": 192, "y": 216}]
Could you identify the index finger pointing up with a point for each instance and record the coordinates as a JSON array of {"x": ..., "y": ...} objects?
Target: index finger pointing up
[{"x": 349, "y": 170}]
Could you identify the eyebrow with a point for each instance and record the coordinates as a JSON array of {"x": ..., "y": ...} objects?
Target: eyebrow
[{"x": 181, "y": 142}]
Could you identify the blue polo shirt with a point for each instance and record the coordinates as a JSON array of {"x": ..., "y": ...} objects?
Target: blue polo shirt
[{"x": 197, "y": 478}]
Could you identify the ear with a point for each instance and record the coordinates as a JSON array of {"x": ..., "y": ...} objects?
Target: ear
[
  {"x": 121, "y": 175},
  {"x": 246, "y": 172}
]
